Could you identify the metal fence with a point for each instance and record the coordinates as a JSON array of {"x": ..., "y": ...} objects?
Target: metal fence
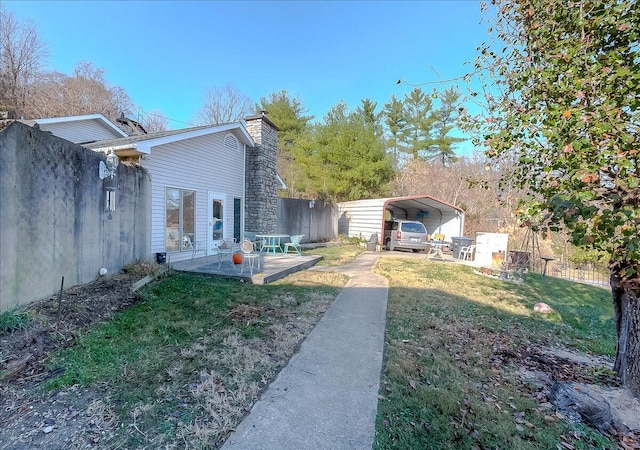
[{"x": 589, "y": 273}]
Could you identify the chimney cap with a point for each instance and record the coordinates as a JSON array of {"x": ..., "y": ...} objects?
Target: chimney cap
[{"x": 261, "y": 116}]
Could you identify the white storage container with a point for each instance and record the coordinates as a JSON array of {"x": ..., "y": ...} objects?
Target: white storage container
[{"x": 491, "y": 248}]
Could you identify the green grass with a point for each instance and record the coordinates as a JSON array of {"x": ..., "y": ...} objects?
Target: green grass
[
  {"x": 442, "y": 385},
  {"x": 13, "y": 320},
  {"x": 184, "y": 364},
  {"x": 336, "y": 255}
]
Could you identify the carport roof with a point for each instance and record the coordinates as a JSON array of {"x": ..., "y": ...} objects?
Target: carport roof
[{"x": 419, "y": 202}]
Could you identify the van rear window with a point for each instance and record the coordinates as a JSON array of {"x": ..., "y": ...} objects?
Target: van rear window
[{"x": 409, "y": 227}]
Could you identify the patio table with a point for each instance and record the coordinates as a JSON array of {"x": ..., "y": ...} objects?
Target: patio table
[
  {"x": 271, "y": 241},
  {"x": 435, "y": 249}
]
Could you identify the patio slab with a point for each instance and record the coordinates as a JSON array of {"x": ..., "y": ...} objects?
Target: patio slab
[{"x": 271, "y": 267}]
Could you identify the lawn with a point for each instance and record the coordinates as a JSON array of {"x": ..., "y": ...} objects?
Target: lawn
[
  {"x": 453, "y": 341},
  {"x": 184, "y": 365}
]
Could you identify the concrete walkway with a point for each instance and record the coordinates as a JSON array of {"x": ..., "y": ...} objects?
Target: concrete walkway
[{"x": 327, "y": 396}]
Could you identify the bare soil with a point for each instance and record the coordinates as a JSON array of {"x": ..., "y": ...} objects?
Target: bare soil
[{"x": 73, "y": 417}]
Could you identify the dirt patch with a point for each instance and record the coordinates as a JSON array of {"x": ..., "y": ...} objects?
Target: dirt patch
[
  {"x": 70, "y": 418},
  {"x": 542, "y": 367}
]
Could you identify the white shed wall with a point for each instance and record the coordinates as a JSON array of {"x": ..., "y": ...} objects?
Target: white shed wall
[
  {"x": 361, "y": 218},
  {"x": 202, "y": 164}
]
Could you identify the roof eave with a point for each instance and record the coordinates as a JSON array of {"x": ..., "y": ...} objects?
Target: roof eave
[{"x": 100, "y": 117}]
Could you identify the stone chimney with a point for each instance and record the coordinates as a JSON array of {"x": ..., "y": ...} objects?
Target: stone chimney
[{"x": 261, "y": 181}]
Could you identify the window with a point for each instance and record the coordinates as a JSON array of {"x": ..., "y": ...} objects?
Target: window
[{"x": 180, "y": 231}]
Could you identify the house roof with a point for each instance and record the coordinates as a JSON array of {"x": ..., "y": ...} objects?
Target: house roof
[
  {"x": 142, "y": 144},
  {"x": 79, "y": 129}
]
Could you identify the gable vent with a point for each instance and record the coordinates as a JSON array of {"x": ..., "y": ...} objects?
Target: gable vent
[{"x": 230, "y": 142}]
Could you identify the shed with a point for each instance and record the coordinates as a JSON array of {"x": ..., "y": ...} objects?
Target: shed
[{"x": 362, "y": 218}]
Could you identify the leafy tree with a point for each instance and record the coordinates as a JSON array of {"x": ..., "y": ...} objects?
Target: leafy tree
[
  {"x": 22, "y": 55},
  {"x": 563, "y": 92},
  {"x": 346, "y": 160},
  {"x": 223, "y": 105},
  {"x": 293, "y": 129}
]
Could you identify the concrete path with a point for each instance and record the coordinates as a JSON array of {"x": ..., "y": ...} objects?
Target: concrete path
[{"x": 327, "y": 396}]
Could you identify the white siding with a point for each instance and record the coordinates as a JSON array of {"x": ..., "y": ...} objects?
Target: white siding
[
  {"x": 447, "y": 223},
  {"x": 81, "y": 131},
  {"x": 202, "y": 164},
  {"x": 362, "y": 218}
]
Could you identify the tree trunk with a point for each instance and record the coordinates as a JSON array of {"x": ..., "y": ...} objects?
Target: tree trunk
[{"x": 626, "y": 301}]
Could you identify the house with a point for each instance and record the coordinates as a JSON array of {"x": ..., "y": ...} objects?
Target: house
[
  {"x": 79, "y": 129},
  {"x": 208, "y": 183},
  {"x": 362, "y": 218}
]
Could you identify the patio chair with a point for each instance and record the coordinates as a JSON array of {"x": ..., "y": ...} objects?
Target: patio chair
[
  {"x": 295, "y": 243},
  {"x": 251, "y": 236},
  {"x": 249, "y": 256},
  {"x": 195, "y": 247},
  {"x": 226, "y": 251},
  {"x": 215, "y": 251},
  {"x": 467, "y": 252}
]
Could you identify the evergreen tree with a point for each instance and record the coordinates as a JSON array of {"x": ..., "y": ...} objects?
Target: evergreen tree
[
  {"x": 396, "y": 122},
  {"x": 419, "y": 120},
  {"x": 347, "y": 160},
  {"x": 446, "y": 119},
  {"x": 369, "y": 114},
  {"x": 293, "y": 129}
]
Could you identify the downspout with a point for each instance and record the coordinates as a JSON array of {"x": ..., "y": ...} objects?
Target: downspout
[{"x": 244, "y": 188}]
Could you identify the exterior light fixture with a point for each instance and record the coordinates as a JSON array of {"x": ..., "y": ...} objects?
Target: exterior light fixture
[{"x": 109, "y": 169}]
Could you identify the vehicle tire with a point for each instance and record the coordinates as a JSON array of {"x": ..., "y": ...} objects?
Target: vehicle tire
[
  {"x": 387, "y": 244},
  {"x": 415, "y": 250}
]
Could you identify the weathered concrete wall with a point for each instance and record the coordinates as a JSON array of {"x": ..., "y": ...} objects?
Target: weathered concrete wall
[
  {"x": 53, "y": 217},
  {"x": 318, "y": 224}
]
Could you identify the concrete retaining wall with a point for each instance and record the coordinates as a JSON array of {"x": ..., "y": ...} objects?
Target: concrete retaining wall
[{"x": 53, "y": 217}]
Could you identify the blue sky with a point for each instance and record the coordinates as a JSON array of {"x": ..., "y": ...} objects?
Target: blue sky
[{"x": 166, "y": 54}]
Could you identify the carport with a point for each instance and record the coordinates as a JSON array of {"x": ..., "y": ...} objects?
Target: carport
[{"x": 362, "y": 218}]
